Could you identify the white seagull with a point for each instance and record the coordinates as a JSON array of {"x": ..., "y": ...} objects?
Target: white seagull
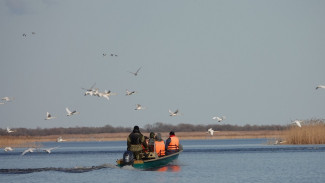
[
  {"x": 210, "y": 131},
  {"x": 7, "y": 99},
  {"x": 48, "y": 150},
  {"x": 106, "y": 94},
  {"x": 49, "y": 116},
  {"x": 173, "y": 113},
  {"x": 320, "y": 86},
  {"x": 89, "y": 91},
  {"x": 219, "y": 119},
  {"x": 8, "y": 149},
  {"x": 139, "y": 107},
  {"x": 60, "y": 139},
  {"x": 69, "y": 113},
  {"x": 297, "y": 122},
  {"x": 9, "y": 130},
  {"x": 135, "y": 73},
  {"x": 29, "y": 150},
  {"x": 128, "y": 93}
]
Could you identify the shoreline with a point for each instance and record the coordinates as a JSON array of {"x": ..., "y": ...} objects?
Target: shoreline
[{"x": 31, "y": 141}]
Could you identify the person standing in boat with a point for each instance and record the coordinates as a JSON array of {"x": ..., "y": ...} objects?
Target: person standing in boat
[
  {"x": 135, "y": 141},
  {"x": 159, "y": 145},
  {"x": 172, "y": 143}
]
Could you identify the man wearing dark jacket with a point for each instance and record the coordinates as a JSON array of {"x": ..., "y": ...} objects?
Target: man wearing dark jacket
[{"x": 135, "y": 141}]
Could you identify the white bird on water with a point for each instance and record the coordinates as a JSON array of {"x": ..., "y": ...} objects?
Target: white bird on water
[
  {"x": 9, "y": 130},
  {"x": 297, "y": 122},
  {"x": 210, "y": 131},
  {"x": 49, "y": 116},
  {"x": 69, "y": 113},
  {"x": 29, "y": 150},
  {"x": 219, "y": 119},
  {"x": 8, "y": 149},
  {"x": 320, "y": 86},
  {"x": 49, "y": 150}
]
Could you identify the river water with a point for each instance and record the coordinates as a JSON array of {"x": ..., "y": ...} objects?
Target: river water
[{"x": 244, "y": 160}]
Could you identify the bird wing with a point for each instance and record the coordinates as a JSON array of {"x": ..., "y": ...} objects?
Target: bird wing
[
  {"x": 138, "y": 70},
  {"x": 68, "y": 111}
]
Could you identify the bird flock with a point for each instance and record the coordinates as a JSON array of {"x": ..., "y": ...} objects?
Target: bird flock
[{"x": 106, "y": 94}]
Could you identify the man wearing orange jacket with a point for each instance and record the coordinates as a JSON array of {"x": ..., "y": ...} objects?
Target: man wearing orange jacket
[
  {"x": 172, "y": 143},
  {"x": 159, "y": 145}
]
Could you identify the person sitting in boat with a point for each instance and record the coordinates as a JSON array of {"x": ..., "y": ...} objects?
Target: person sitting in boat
[
  {"x": 159, "y": 145},
  {"x": 151, "y": 142},
  {"x": 135, "y": 141},
  {"x": 172, "y": 143},
  {"x": 146, "y": 139}
]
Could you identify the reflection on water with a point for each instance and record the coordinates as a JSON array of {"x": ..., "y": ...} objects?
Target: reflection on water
[{"x": 168, "y": 168}]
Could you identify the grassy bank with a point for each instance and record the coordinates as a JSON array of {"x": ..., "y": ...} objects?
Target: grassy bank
[
  {"x": 28, "y": 141},
  {"x": 312, "y": 132}
]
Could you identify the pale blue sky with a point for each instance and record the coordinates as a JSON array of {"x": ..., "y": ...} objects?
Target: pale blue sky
[{"x": 256, "y": 62}]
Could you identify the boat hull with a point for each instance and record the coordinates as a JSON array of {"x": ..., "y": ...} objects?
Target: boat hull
[{"x": 151, "y": 163}]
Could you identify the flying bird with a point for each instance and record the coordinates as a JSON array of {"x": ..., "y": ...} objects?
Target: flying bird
[
  {"x": 128, "y": 93},
  {"x": 29, "y": 150},
  {"x": 297, "y": 122},
  {"x": 106, "y": 94},
  {"x": 49, "y": 116},
  {"x": 8, "y": 149},
  {"x": 173, "y": 113},
  {"x": 320, "y": 86},
  {"x": 69, "y": 113},
  {"x": 210, "y": 131},
  {"x": 219, "y": 119},
  {"x": 7, "y": 99},
  {"x": 135, "y": 73},
  {"x": 24, "y": 35},
  {"x": 9, "y": 130},
  {"x": 89, "y": 91},
  {"x": 60, "y": 139},
  {"x": 139, "y": 107},
  {"x": 49, "y": 150}
]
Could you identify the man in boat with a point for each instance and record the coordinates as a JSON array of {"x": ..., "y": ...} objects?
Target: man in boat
[
  {"x": 135, "y": 141},
  {"x": 159, "y": 145},
  {"x": 151, "y": 142},
  {"x": 172, "y": 143}
]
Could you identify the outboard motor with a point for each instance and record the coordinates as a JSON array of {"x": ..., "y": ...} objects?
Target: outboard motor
[{"x": 128, "y": 158}]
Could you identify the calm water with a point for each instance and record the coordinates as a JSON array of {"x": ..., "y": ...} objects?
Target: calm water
[{"x": 202, "y": 161}]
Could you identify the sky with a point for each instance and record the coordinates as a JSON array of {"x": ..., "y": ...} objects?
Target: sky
[{"x": 256, "y": 62}]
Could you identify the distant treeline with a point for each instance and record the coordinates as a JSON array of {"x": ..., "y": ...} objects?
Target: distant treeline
[{"x": 156, "y": 127}]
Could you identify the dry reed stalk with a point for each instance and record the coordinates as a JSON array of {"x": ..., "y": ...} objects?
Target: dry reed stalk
[
  {"x": 307, "y": 134},
  {"x": 34, "y": 141}
]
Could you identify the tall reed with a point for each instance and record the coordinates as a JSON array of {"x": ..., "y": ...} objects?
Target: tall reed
[{"x": 311, "y": 132}]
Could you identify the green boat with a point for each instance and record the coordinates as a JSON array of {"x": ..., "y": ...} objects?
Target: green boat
[{"x": 151, "y": 161}]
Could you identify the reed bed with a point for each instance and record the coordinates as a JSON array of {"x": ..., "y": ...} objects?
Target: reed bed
[
  {"x": 312, "y": 132},
  {"x": 36, "y": 141}
]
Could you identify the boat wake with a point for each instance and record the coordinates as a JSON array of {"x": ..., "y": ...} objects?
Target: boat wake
[{"x": 66, "y": 170}]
